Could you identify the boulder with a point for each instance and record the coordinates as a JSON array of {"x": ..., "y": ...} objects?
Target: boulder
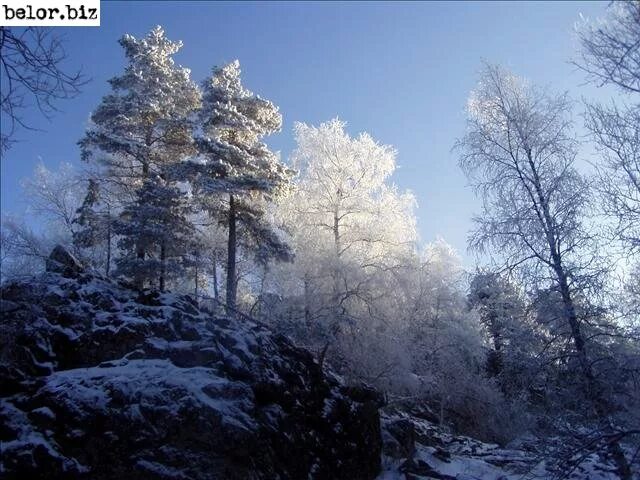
[{"x": 63, "y": 262}]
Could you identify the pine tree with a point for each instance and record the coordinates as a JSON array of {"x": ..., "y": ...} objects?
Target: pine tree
[
  {"x": 144, "y": 123},
  {"x": 142, "y": 129},
  {"x": 239, "y": 167},
  {"x": 157, "y": 221}
]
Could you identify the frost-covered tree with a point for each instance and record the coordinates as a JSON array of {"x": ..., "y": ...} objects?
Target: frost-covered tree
[
  {"x": 515, "y": 344},
  {"x": 142, "y": 129},
  {"x": 519, "y": 153},
  {"x": 158, "y": 222},
  {"x": 95, "y": 224},
  {"x": 500, "y": 309},
  {"x": 23, "y": 252},
  {"x": 610, "y": 51},
  {"x": 346, "y": 208},
  {"x": 53, "y": 197},
  {"x": 145, "y": 122},
  {"x": 353, "y": 233},
  {"x": 236, "y": 173},
  {"x": 344, "y": 190},
  {"x": 610, "y": 55}
]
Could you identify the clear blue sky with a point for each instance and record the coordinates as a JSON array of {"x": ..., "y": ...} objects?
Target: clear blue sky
[{"x": 400, "y": 71}]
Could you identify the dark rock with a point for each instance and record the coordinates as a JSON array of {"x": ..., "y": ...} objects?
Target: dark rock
[
  {"x": 442, "y": 454},
  {"x": 401, "y": 443},
  {"x": 62, "y": 262},
  {"x": 100, "y": 381}
]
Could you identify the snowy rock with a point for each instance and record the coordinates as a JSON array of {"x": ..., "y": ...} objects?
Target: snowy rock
[
  {"x": 63, "y": 262},
  {"x": 399, "y": 438},
  {"x": 100, "y": 381},
  {"x": 431, "y": 451}
]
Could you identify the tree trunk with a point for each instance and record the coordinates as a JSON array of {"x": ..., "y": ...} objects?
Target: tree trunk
[
  {"x": 336, "y": 232},
  {"x": 163, "y": 256},
  {"x": 597, "y": 397},
  {"x": 140, "y": 254},
  {"x": 307, "y": 308},
  {"x": 216, "y": 292},
  {"x": 232, "y": 283},
  {"x": 495, "y": 360},
  {"x": 337, "y": 313},
  {"x": 196, "y": 278},
  {"x": 108, "y": 266}
]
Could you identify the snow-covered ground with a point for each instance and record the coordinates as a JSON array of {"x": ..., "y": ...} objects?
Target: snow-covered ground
[{"x": 438, "y": 454}]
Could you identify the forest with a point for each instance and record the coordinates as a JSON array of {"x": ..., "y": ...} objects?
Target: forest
[{"x": 178, "y": 193}]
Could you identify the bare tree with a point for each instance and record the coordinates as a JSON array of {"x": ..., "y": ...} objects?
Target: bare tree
[
  {"x": 22, "y": 251},
  {"x": 519, "y": 154},
  {"x": 610, "y": 55},
  {"x": 54, "y": 196},
  {"x": 616, "y": 131},
  {"x": 611, "y": 47},
  {"x": 32, "y": 70}
]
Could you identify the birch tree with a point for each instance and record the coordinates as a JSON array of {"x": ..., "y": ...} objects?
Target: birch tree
[
  {"x": 519, "y": 153},
  {"x": 33, "y": 66},
  {"x": 352, "y": 231},
  {"x": 610, "y": 55}
]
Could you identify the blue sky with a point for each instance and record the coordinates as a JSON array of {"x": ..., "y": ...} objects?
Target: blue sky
[{"x": 400, "y": 71}]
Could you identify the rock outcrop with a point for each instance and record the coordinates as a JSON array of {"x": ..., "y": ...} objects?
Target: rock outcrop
[{"x": 100, "y": 381}]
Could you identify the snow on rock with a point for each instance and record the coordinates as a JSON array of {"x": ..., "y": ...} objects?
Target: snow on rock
[
  {"x": 416, "y": 448},
  {"x": 63, "y": 262},
  {"x": 100, "y": 381}
]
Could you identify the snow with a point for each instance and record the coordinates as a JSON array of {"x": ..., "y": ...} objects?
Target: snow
[
  {"x": 161, "y": 470},
  {"x": 88, "y": 388},
  {"x": 465, "y": 458},
  {"x": 28, "y": 440}
]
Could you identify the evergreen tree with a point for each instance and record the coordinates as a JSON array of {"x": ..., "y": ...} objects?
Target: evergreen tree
[
  {"x": 140, "y": 130},
  {"x": 157, "y": 221},
  {"x": 515, "y": 344},
  {"x": 239, "y": 169},
  {"x": 144, "y": 123}
]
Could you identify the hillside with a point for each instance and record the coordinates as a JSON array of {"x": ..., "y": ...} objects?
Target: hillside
[{"x": 100, "y": 381}]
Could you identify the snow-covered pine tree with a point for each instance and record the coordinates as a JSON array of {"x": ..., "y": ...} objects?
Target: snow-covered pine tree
[
  {"x": 96, "y": 223},
  {"x": 157, "y": 222},
  {"x": 145, "y": 122},
  {"x": 239, "y": 168},
  {"x": 141, "y": 129}
]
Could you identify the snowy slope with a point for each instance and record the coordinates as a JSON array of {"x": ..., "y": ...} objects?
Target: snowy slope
[
  {"x": 100, "y": 381},
  {"x": 415, "y": 448}
]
